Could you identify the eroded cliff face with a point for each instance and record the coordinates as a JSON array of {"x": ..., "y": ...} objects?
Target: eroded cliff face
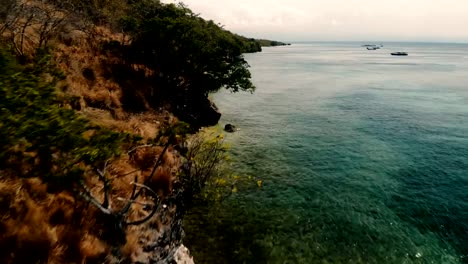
[
  {"x": 160, "y": 239},
  {"x": 199, "y": 111}
]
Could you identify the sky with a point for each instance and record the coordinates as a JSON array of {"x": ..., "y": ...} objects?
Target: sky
[{"x": 339, "y": 20}]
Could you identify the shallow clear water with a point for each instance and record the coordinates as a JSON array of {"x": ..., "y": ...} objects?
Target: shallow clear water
[{"x": 364, "y": 158}]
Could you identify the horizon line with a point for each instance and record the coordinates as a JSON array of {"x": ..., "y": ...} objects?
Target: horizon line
[{"x": 374, "y": 41}]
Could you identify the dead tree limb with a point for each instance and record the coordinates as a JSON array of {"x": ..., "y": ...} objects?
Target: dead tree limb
[
  {"x": 138, "y": 189},
  {"x": 139, "y": 147},
  {"x": 158, "y": 162}
]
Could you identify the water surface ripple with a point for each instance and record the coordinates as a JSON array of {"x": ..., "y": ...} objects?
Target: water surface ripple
[{"x": 364, "y": 158}]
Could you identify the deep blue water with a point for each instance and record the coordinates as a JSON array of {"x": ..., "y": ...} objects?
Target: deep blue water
[{"x": 364, "y": 158}]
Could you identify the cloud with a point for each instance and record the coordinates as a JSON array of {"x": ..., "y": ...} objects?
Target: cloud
[{"x": 340, "y": 19}]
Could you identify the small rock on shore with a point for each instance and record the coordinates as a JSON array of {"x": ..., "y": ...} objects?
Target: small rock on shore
[{"x": 182, "y": 256}]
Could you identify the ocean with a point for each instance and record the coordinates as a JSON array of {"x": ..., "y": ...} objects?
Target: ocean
[{"x": 363, "y": 155}]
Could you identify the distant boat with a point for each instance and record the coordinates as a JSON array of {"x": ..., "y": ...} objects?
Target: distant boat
[
  {"x": 371, "y": 45},
  {"x": 399, "y": 53}
]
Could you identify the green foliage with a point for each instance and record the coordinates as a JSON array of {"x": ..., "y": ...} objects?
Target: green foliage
[
  {"x": 185, "y": 51},
  {"x": 250, "y": 45},
  {"x": 270, "y": 43},
  {"x": 207, "y": 175},
  {"x": 37, "y": 136},
  {"x": 203, "y": 174}
]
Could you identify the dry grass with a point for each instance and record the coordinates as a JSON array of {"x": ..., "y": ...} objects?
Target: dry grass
[
  {"x": 38, "y": 226},
  {"x": 82, "y": 64},
  {"x": 92, "y": 248},
  {"x": 162, "y": 180},
  {"x": 57, "y": 228},
  {"x": 145, "y": 124},
  {"x": 131, "y": 249},
  {"x": 145, "y": 158},
  {"x": 99, "y": 96}
]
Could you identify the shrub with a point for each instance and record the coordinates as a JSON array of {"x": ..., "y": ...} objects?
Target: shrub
[{"x": 37, "y": 136}]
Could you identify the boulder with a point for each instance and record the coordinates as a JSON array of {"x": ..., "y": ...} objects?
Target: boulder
[{"x": 229, "y": 128}]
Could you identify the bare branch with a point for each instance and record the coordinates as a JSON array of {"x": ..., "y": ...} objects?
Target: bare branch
[
  {"x": 138, "y": 189},
  {"x": 139, "y": 147},
  {"x": 123, "y": 213},
  {"x": 155, "y": 205},
  {"x": 158, "y": 162},
  {"x": 128, "y": 173},
  {"x": 86, "y": 194},
  {"x": 105, "y": 181},
  {"x": 31, "y": 24},
  {"x": 133, "y": 196},
  {"x": 134, "y": 201},
  {"x": 146, "y": 188}
]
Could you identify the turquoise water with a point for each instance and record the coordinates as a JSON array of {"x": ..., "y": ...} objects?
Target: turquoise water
[{"x": 364, "y": 158}]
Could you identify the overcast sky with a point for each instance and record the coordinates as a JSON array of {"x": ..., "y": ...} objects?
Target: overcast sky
[{"x": 322, "y": 20}]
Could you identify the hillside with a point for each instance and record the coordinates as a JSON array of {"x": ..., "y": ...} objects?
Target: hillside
[
  {"x": 99, "y": 102},
  {"x": 271, "y": 43}
]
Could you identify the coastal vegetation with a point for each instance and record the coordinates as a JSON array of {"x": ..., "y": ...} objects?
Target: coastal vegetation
[
  {"x": 98, "y": 102},
  {"x": 271, "y": 43}
]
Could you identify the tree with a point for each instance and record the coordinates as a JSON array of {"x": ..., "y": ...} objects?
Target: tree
[{"x": 187, "y": 53}]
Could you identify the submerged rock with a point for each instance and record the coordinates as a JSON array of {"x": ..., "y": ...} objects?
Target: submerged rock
[{"x": 229, "y": 128}]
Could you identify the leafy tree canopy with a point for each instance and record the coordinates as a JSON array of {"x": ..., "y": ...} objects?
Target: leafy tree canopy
[{"x": 185, "y": 50}]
